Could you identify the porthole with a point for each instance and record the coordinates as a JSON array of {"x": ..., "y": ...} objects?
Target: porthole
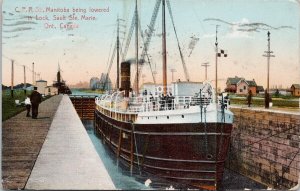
[
  {"x": 148, "y": 117},
  {"x": 167, "y": 117},
  {"x": 209, "y": 156},
  {"x": 182, "y": 116},
  {"x": 156, "y": 117}
]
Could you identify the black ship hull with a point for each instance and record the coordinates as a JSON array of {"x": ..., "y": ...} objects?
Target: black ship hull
[{"x": 192, "y": 154}]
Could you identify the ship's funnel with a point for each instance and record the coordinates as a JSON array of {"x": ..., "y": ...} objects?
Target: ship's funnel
[{"x": 125, "y": 77}]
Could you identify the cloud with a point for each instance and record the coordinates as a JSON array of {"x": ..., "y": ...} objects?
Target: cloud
[
  {"x": 19, "y": 23},
  {"x": 237, "y": 32},
  {"x": 244, "y": 28},
  {"x": 15, "y": 36},
  {"x": 18, "y": 29}
]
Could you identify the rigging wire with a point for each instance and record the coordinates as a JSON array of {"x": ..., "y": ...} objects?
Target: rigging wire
[
  {"x": 111, "y": 45},
  {"x": 203, "y": 28},
  {"x": 145, "y": 53},
  {"x": 178, "y": 44},
  {"x": 148, "y": 39}
]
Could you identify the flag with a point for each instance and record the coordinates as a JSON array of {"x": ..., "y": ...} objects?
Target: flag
[{"x": 222, "y": 52}]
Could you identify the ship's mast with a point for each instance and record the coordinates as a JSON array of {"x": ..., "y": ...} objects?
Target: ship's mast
[
  {"x": 164, "y": 53},
  {"x": 137, "y": 47},
  {"x": 118, "y": 56}
]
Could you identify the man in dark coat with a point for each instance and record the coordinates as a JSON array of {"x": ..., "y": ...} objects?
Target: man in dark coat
[
  {"x": 249, "y": 98},
  {"x": 35, "y": 99}
]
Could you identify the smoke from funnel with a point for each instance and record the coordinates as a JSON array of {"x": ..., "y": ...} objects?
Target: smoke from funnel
[{"x": 133, "y": 61}]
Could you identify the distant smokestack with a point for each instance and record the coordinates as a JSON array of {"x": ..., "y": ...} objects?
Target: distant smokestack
[{"x": 125, "y": 77}]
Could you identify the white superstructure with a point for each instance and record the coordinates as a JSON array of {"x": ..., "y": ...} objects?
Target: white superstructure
[{"x": 198, "y": 108}]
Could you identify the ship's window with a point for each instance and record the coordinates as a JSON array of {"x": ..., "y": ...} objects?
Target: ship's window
[
  {"x": 209, "y": 156},
  {"x": 148, "y": 117},
  {"x": 182, "y": 116},
  {"x": 156, "y": 117},
  {"x": 167, "y": 117}
]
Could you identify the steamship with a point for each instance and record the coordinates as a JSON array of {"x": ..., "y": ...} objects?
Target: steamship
[{"x": 182, "y": 137}]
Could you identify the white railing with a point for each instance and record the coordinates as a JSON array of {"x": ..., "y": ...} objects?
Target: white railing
[{"x": 117, "y": 103}]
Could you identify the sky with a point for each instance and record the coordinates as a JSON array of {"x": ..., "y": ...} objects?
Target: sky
[{"x": 84, "y": 52}]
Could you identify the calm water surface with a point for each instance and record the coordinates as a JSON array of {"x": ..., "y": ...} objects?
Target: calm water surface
[{"x": 119, "y": 174}]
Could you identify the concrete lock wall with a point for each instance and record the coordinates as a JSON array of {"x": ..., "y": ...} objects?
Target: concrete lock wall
[{"x": 265, "y": 147}]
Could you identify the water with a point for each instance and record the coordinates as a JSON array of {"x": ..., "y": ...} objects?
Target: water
[
  {"x": 119, "y": 175},
  {"x": 122, "y": 178},
  {"x": 76, "y": 92}
]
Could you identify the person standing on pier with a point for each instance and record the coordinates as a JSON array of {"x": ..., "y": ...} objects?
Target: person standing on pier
[
  {"x": 28, "y": 106},
  {"x": 249, "y": 98},
  {"x": 35, "y": 99}
]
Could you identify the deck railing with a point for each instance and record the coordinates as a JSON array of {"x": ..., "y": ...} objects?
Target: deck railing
[{"x": 117, "y": 103}]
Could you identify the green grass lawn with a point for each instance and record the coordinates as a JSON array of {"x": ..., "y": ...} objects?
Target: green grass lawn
[
  {"x": 9, "y": 107},
  {"x": 257, "y": 101}
]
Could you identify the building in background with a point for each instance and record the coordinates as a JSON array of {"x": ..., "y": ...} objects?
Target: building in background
[
  {"x": 95, "y": 83},
  {"x": 241, "y": 86},
  {"x": 231, "y": 84},
  {"x": 244, "y": 86},
  {"x": 105, "y": 82},
  {"x": 295, "y": 89},
  {"x": 260, "y": 90},
  {"x": 41, "y": 85}
]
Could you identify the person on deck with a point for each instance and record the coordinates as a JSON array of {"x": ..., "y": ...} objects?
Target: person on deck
[
  {"x": 28, "y": 106},
  {"x": 35, "y": 99}
]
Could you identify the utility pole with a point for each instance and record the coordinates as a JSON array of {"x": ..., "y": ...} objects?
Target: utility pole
[
  {"x": 173, "y": 70},
  {"x": 268, "y": 55},
  {"x": 206, "y": 64},
  {"x": 12, "y": 79},
  {"x": 33, "y": 74},
  {"x": 24, "y": 79},
  {"x": 216, "y": 87}
]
